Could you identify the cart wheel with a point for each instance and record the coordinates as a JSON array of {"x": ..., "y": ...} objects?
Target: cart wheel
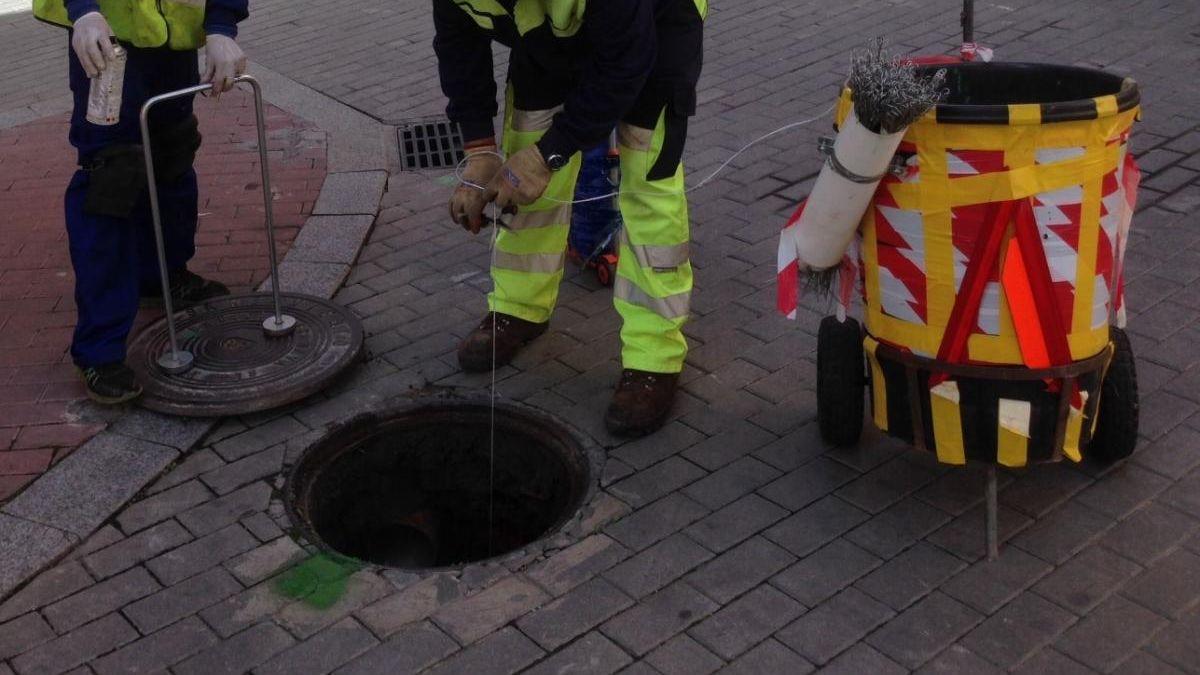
[
  {"x": 604, "y": 272},
  {"x": 841, "y": 381},
  {"x": 1117, "y": 427}
]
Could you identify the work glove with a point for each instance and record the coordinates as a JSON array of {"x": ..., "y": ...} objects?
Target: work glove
[
  {"x": 223, "y": 61},
  {"x": 91, "y": 43},
  {"x": 467, "y": 202},
  {"x": 521, "y": 181}
]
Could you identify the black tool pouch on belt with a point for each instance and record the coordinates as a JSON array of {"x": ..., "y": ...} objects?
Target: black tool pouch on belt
[
  {"x": 175, "y": 149},
  {"x": 118, "y": 172}
]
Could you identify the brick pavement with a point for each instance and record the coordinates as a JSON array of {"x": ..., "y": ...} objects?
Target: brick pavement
[
  {"x": 39, "y": 391},
  {"x": 732, "y": 539}
]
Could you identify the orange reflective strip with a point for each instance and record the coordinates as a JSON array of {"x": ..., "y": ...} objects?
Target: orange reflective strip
[{"x": 1019, "y": 294}]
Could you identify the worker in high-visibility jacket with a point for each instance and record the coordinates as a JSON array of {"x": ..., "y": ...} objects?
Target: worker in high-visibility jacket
[
  {"x": 146, "y": 48},
  {"x": 577, "y": 70}
]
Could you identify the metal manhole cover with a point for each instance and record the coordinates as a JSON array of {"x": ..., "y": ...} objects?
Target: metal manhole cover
[
  {"x": 429, "y": 144},
  {"x": 238, "y": 368}
]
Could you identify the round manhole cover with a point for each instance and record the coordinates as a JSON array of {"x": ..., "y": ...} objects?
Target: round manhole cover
[{"x": 423, "y": 486}]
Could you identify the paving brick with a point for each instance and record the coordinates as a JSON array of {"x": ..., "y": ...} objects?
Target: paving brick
[
  {"x": 828, "y": 629},
  {"x": 924, "y": 629},
  {"x": 240, "y": 653},
  {"x": 217, "y": 513},
  {"x": 158, "y": 651},
  {"x": 965, "y": 535},
  {"x": 682, "y": 655},
  {"x": 1106, "y": 636},
  {"x": 574, "y": 614},
  {"x": 958, "y": 660},
  {"x": 502, "y": 652},
  {"x": 886, "y": 484},
  {"x": 649, "y": 484},
  {"x": 1123, "y": 491},
  {"x": 241, "y": 610},
  {"x": 987, "y": 585},
  {"x": 910, "y": 576},
  {"x": 411, "y": 604},
  {"x": 739, "y": 569},
  {"x": 229, "y": 477},
  {"x": 1173, "y": 455},
  {"x": 658, "y": 565},
  {"x": 723, "y": 448},
  {"x": 897, "y": 527},
  {"x": 808, "y": 530},
  {"x": 45, "y": 588},
  {"x": 161, "y": 506},
  {"x": 736, "y": 522},
  {"x": 171, "y": 604},
  {"x": 194, "y": 464},
  {"x": 1036, "y": 492},
  {"x": 822, "y": 574},
  {"x": 1142, "y": 663},
  {"x": 1018, "y": 630},
  {"x": 1050, "y": 661},
  {"x": 259, "y": 438},
  {"x": 669, "y": 440},
  {"x": 1087, "y": 579},
  {"x": 136, "y": 549},
  {"x": 304, "y": 619},
  {"x": 746, "y": 621},
  {"x": 100, "y": 599},
  {"x": 656, "y": 619},
  {"x": 22, "y": 634},
  {"x": 322, "y": 653},
  {"x": 178, "y": 564},
  {"x": 808, "y": 483},
  {"x": 769, "y": 657},
  {"x": 473, "y": 617},
  {"x": 1177, "y": 644},
  {"x": 1169, "y": 586},
  {"x": 255, "y": 565},
  {"x": 1149, "y": 533},
  {"x": 861, "y": 658},
  {"x": 651, "y": 523},
  {"x": 592, "y": 654},
  {"x": 78, "y": 647},
  {"x": 730, "y": 482},
  {"x": 1185, "y": 495}
]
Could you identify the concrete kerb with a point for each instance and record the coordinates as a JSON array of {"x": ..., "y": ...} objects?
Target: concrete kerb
[{"x": 64, "y": 506}]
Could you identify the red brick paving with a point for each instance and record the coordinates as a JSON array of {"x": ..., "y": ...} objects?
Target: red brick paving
[{"x": 37, "y": 308}]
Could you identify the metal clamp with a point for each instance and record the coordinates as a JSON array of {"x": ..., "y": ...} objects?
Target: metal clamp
[
  {"x": 279, "y": 324},
  {"x": 825, "y": 147}
]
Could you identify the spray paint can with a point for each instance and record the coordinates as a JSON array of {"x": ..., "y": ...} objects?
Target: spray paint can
[{"x": 104, "y": 98}]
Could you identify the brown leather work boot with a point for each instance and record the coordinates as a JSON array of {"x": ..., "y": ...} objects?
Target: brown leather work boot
[
  {"x": 641, "y": 403},
  {"x": 475, "y": 351}
]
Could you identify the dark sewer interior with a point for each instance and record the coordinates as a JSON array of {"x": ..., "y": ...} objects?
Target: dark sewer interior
[{"x": 421, "y": 487}]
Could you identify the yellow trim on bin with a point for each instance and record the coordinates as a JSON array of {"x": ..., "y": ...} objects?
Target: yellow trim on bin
[
  {"x": 1025, "y": 113},
  {"x": 878, "y": 385},
  {"x": 1074, "y": 429},
  {"x": 1012, "y": 433},
  {"x": 947, "y": 423}
]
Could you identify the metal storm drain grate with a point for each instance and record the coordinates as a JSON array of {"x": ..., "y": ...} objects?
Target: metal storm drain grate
[
  {"x": 429, "y": 144},
  {"x": 420, "y": 487}
]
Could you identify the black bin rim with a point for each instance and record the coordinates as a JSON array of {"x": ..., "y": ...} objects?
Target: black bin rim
[
  {"x": 1090, "y": 93},
  {"x": 344, "y": 435}
]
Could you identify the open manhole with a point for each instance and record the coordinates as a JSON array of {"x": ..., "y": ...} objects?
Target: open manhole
[{"x": 419, "y": 487}]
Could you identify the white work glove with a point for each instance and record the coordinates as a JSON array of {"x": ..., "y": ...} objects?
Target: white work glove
[
  {"x": 91, "y": 44},
  {"x": 223, "y": 61}
]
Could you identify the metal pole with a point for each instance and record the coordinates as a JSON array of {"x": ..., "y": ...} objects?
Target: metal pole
[
  {"x": 280, "y": 324},
  {"x": 968, "y": 21},
  {"x": 993, "y": 515}
]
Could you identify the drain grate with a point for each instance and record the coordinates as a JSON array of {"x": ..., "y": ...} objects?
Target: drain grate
[{"x": 429, "y": 144}]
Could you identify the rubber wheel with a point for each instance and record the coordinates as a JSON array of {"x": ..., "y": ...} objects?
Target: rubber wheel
[
  {"x": 841, "y": 381},
  {"x": 1117, "y": 426}
]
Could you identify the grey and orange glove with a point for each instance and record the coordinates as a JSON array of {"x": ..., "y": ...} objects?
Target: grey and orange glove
[
  {"x": 468, "y": 201},
  {"x": 520, "y": 181}
]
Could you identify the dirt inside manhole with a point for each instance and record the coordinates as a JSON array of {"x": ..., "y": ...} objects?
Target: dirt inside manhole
[{"x": 420, "y": 486}]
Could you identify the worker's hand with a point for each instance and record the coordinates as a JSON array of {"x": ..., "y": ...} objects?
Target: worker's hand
[
  {"x": 467, "y": 202},
  {"x": 90, "y": 40},
  {"x": 521, "y": 180},
  {"x": 223, "y": 61}
]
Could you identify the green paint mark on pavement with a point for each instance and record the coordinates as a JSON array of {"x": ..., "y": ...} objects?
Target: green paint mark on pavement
[{"x": 319, "y": 581}]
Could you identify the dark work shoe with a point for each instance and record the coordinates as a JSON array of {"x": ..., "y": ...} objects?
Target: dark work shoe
[
  {"x": 475, "y": 352},
  {"x": 187, "y": 289},
  {"x": 641, "y": 403},
  {"x": 111, "y": 383}
]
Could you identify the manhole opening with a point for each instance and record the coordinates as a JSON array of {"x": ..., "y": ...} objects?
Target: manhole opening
[
  {"x": 410, "y": 488},
  {"x": 430, "y": 144}
]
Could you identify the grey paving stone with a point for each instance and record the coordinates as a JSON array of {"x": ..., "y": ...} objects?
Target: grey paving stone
[
  {"x": 159, "y": 507},
  {"x": 1018, "y": 630},
  {"x": 956, "y": 491},
  {"x": 229, "y": 477},
  {"x": 910, "y": 576},
  {"x": 1173, "y": 455},
  {"x": 1185, "y": 495},
  {"x": 806, "y": 531},
  {"x": 649, "y": 484},
  {"x": 181, "y": 433},
  {"x": 1087, "y": 579},
  {"x": 240, "y": 653},
  {"x": 304, "y": 619},
  {"x": 1050, "y": 661},
  {"x": 656, "y": 619},
  {"x": 1169, "y": 586},
  {"x": 592, "y": 654},
  {"x": 471, "y": 618},
  {"x": 23, "y": 634},
  {"x": 1123, "y": 491},
  {"x": 577, "y": 563},
  {"x": 217, "y": 513},
  {"x": 822, "y": 574},
  {"x": 769, "y": 657},
  {"x": 738, "y": 478},
  {"x": 174, "y": 603},
  {"x": 828, "y": 629},
  {"x": 897, "y": 527},
  {"x": 958, "y": 660},
  {"x": 502, "y": 652},
  {"x": 191, "y": 466},
  {"x": 965, "y": 535},
  {"x": 100, "y": 599},
  {"x": 658, "y": 565},
  {"x": 886, "y": 484},
  {"x": 243, "y": 609},
  {"x": 137, "y": 548},
  {"x": 351, "y": 193},
  {"x": 746, "y": 621},
  {"x": 1149, "y": 533},
  {"x": 573, "y": 614},
  {"x": 323, "y": 652},
  {"x": 178, "y": 564},
  {"x": 861, "y": 658},
  {"x": 1036, "y": 492},
  {"x": 682, "y": 655},
  {"x": 318, "y": 279},
  {"x": 82, "y": 491},
  {"x": 736, "y": 522},
  {"x": 669, "y": 440},
  {"x": 259, "y": 438},
  {"x": 1142, "y": 663},
  {"x": 253, "y": 566},
  {"x": 53, "y": 584},
  {"x": 924, "y": 629},
  {"x": 796, "y": 448},
  {"x": 739, "y": 569},
  {"x": 650, "y": 524},
  {"x": 262, "y": 527},
  {"x": 1108, "y": 635},
  {"x": 78, "y": 647},
  {"x": 1177, "y": 643},
  {"x": 409, "y": 605},
  {"x": 411, "y": 649},
  {"x": 723, "y": 448},
  {"x": 808, "y": 483},
  {"x": 331, "y": 239},
  {"x": 987, "y": 585},
  {"x": 158, "y": 651}
]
